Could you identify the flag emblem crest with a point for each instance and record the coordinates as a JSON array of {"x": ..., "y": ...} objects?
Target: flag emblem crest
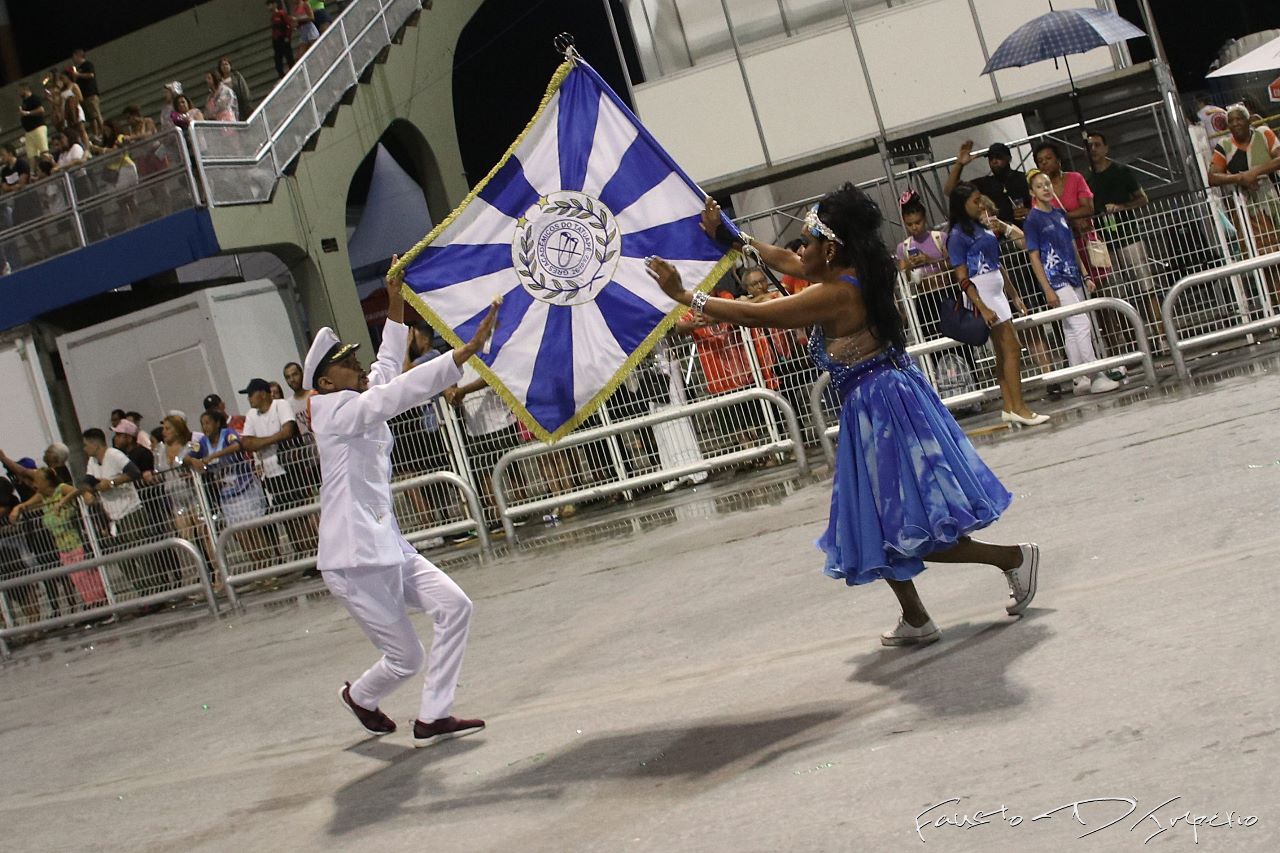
[
  {"x": 565, "y": 247},
  {"x": 560, "y": 229}
]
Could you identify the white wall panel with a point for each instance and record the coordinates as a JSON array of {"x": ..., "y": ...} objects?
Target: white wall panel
[
  {"x": 925, "y": 61},
  {"x": 704, "y": 120},
  {"x": 788, "y": 84},
  {"x": 27, "y": 422},
  {"x": 107, "y": 364},
  {"x": 1001, "y": 17}
]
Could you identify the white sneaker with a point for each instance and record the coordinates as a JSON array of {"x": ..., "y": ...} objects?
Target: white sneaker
[
  {"x": 1081, "y": 385},
  {"x": 906, "y": 635},
  {"x": 1022, "y": 580},
  {"x": 1101, "y": 384}
]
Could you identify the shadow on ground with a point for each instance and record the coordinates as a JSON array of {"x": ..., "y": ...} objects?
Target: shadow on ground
[
  {"x": 966, "y": 672},
  {"x": 636, "y": 760}
]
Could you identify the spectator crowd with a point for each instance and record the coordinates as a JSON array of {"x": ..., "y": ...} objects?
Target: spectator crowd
[{"x": 63, "y": 127}]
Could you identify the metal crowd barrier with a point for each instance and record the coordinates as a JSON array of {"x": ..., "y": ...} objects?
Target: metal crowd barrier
[
  {"x": 237, "y": 578},
  {"x": 1177, "y": 344},
  {"x": 794, "y": 443},
  {"x": 1141, "y": 355},
  {"x": 115, "y": 605}
]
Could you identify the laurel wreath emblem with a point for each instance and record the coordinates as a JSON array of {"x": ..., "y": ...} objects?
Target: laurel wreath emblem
[{"x": 596, "y": 218}]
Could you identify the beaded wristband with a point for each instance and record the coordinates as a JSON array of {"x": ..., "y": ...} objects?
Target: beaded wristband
[{"x": 698, "y": 302}]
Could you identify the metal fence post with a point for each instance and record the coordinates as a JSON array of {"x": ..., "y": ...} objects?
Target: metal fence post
[
  {"x": 91, "y": 532},
  {"x": 747, "y": 336},
  {"x": 75, "y": 209}
]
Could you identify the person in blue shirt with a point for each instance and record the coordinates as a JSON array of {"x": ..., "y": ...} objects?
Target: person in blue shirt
[
  {"x": 975, "y": 253},
  {"x": 1057, "y": 265}
]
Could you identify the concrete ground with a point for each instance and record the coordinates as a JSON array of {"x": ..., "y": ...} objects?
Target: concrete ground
[{"x": 690, "y": 681}]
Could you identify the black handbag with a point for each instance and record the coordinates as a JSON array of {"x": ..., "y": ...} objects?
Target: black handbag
[{"x": 961, "y": 322}]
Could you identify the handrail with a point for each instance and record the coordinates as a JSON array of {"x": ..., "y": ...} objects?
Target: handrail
[
  {"x": 795, "y": 443},
  {"x": 386, "y": 16},
  {"x": 475, "y": 522},
  {"x": 92, "y": 563},
  {"x": 1051, "y": 315},
  {"x": 1176, "y": 344},
  {"x": 84, "y": 173}
]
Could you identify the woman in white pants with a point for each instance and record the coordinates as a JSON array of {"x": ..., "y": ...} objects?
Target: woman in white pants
[
  {"x": 1056, "y": 262},
  {"x": 975, "y": 253},
  {"x": 365, "y": 561}
]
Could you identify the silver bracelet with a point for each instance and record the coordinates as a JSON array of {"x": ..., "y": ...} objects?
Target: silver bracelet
[{"x": 698, "y": 302}]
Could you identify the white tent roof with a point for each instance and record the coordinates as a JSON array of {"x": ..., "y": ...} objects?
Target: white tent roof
[
  {"x": 1263, "y": 58},
  {"x": 395, "y": 218}
]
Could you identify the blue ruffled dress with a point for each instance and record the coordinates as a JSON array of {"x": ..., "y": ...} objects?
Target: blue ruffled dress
[{"x": 908, "y": 482}]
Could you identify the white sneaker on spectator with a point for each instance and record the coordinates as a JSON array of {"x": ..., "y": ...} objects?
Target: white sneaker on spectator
[
  {"x": 1102, "y": 384},
  {"x": 1081, "y": 385}
]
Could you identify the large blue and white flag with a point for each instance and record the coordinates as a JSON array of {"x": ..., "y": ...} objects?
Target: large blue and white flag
[{"x": 560, "y": 228}]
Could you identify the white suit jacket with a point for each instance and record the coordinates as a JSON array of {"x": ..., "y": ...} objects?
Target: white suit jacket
[{"x": 357, "y": 525}]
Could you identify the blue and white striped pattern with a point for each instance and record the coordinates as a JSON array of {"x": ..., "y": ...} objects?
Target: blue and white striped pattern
[
  {"x": 554, "y": 357},
  {"x": 1060, "y": 33}
]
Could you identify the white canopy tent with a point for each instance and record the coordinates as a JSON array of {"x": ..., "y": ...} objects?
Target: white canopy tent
[{"x": 1263, "y": 58}]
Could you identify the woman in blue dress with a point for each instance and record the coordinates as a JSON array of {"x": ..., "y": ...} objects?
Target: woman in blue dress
[{"x": 908, "y": 484}]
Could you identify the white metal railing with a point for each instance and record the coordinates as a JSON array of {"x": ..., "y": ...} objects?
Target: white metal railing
[
  {"x": 306, "y": 559},
  {"x": 508, "y": 511},
  {"x": 240, "y": 161},
  {"x": 1244, "y": 327},
  {"x": 108, "y": 194},
  {"x": 198, "y": 585}
]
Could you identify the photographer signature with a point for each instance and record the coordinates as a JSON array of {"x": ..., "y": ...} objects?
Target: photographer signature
[{"x": 1118, "y": 809}]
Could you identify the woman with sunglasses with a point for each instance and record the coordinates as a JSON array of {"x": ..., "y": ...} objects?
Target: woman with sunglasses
[{"x": 909, "y": 486}]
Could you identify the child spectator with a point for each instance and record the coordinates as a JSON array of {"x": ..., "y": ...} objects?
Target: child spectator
[
  {"x": 55, "y": 501},
  {"x": 1057, "y": 265}
]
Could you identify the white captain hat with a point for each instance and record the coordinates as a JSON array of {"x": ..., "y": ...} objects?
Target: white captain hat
[{"x": 325, "y": 350}]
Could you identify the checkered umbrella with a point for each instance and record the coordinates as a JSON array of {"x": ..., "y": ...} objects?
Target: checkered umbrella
[{"x": 1060, "y": 33}]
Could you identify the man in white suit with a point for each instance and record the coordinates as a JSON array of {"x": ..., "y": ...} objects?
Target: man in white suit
[{"x": 365, "y": 561}]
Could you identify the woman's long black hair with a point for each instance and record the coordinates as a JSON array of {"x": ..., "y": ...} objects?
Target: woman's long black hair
[
  {"x": 856, "y": 220},
  {"x": 956, "y": 214}
]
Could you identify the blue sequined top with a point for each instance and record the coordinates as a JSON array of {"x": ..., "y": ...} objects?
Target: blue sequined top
[{"x": 843, "y": 373}]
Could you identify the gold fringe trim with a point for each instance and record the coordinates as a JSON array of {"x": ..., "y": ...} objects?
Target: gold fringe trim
[
  {"x": 499, "y": 387},
  {"x": 553, "y": 87}
]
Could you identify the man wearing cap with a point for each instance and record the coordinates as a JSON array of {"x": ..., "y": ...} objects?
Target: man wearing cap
[
  {"x": 366, "y": 562},
  {"x": 268, "y": 423},
  {"x": 214, "y": 403},
  {"x": 1005, "y": 186}
]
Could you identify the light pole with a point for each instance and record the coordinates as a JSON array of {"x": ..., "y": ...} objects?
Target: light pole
[{"x": 1169, "y": 94}]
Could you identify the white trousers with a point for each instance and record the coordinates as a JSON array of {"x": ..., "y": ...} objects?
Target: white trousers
[
  {"x": 379, "y": 599},
  {"x": 1077, "y": 330}
]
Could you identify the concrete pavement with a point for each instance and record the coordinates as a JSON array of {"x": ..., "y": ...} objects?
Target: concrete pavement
[{"x": 697, "y": 684}]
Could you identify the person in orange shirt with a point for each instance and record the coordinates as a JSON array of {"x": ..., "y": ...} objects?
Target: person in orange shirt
[{"x": 727, "y": 368}]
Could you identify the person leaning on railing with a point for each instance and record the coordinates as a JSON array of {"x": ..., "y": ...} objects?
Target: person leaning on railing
[
  {"x": 1248, "y": 159},
  {"x": 55, "y": 501}
]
